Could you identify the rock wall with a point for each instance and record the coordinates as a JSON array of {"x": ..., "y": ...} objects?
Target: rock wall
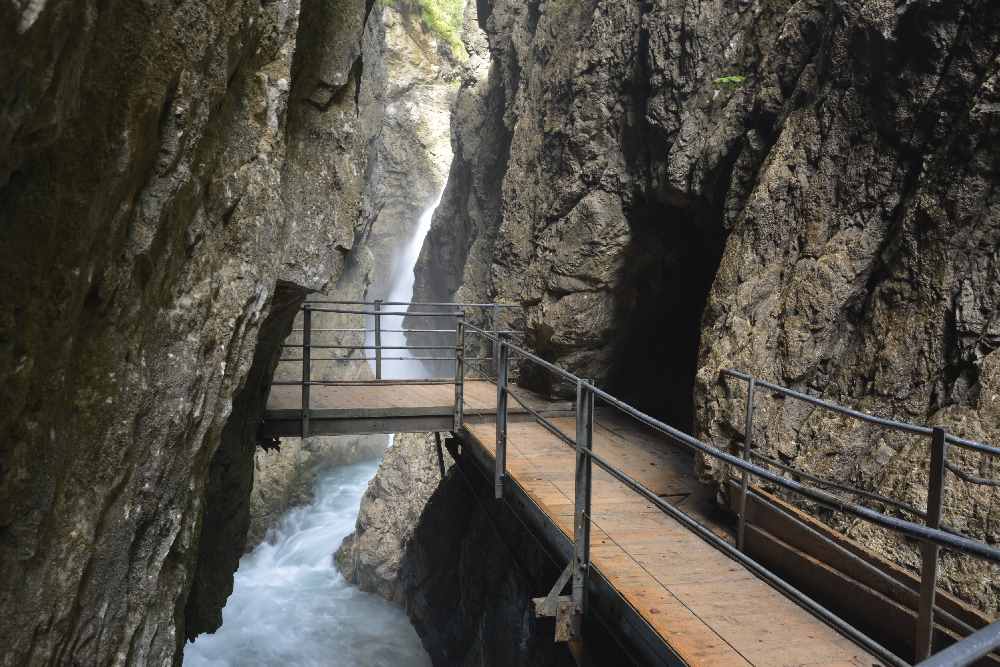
[
  {"x": 468, "y": 574},
  {"x": 801, "y": 189},
  {"x": 390, "y": 510},
  {"x": 407, "y": 87},
  {"x": 173, "y": 178}
]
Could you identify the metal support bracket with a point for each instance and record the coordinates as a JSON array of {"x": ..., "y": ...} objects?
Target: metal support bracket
[{"x": 562, "y": 608}]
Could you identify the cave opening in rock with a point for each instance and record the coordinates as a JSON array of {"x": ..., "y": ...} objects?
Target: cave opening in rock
[{"x": 667, "y": 272}]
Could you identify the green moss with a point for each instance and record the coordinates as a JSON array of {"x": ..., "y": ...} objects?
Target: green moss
[
  {"x": 442, "y": 17},
  {"x": 731, "y": 81}
]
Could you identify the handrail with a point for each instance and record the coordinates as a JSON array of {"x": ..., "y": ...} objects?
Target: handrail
[
  {"x": 863, "y": 416},
  {"x": 417, "y": 303},
  {"x": 980, "y": 643},
  {"x": 931, "y": 536}
]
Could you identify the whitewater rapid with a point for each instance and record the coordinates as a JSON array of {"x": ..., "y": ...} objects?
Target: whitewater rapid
[{"x": 290, "y": 605}]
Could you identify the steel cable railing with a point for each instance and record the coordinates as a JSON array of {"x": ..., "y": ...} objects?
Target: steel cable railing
[{"x": 928, "y": 535}]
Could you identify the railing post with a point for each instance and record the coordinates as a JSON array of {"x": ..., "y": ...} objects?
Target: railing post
[
  {"x": 500, "y": 467},
  {"x": 581, "y": 525},
  {"x": 378, "y": 340},
  {"x": 306, "y": 366},
  {"x": 459, "y": 370},
  {"x": 928, "y": 550},
  {"x": 745, "y": 476},
  {"x": 496, "y": 343}
]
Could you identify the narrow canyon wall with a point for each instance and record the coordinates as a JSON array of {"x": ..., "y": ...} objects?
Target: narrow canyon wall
[
  {"x": 173, "y": 178},
  {"x": 404, "y": 106},
  {"x": 801, "y": 189}
]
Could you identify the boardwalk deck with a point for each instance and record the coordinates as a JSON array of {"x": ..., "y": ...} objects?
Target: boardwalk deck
[
  {"x": 389, "y": 406},
  {"x": 707, "y": 607}
]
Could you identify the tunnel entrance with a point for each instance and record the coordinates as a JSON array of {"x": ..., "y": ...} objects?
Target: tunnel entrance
[{"x": 668, "y": 270}]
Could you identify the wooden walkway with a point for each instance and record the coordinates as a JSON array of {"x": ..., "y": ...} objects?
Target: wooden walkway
[
  {"x": 708, "y": 608},
  {"x": 389, "y": 406}
]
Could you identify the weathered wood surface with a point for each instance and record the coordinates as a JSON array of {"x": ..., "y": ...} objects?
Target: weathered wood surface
[
  {"x": 709, "y": 608},
  {"x": 388, "y": 398}
]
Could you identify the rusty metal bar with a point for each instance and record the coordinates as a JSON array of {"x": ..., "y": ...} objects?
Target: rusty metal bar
[
  {"x": 929, "y": 550},
  {"x": 500, "y": 460},
  {"x": 745, "y": 481},
  {"x": 306, "y": 367}
]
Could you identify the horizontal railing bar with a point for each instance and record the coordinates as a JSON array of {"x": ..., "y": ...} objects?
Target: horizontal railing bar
[
  {"x": 385, "y": 359},
  {"x": 908, "y": 528},
  {"x": 877, "y": 572},
  {"x": 863, "y": 416},
  {"x": 969, "y": 478},
  {"x": 965, "y": 652},
  {"x": 383, "y": 313},
  {"x": 545, "y": 423},
  {"x": 334, "y": 330},
  {"x": 783, "y": 586},
  {"x": 372, "y": 347},
  {"x": 842, "y": 487},
  {"x": 440, "y": 304},
  {"x": 354, "y": 383},
  {"x": 566, "y": 375}
]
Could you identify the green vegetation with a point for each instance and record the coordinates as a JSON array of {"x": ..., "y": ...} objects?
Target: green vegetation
[
  {"x": 442, "y": 17},
  {"x": 731, "y": 81}
]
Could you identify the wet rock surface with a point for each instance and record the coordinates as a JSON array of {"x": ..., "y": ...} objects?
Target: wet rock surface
[
  {"x": 410, "y": 472},
  {"x": 803, "y": 190},
  {"x": 411, "y": 76},
  {"x": 150, "y": 269}
]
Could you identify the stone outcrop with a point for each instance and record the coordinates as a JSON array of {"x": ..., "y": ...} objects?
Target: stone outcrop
[
  {"x": 390, "y": 511},
  {"x": 468, "y": 575},
  {"x": 161, "y": 227},
  {"x": 411, "y": 76},
  {"x": 804, "y": 190}
]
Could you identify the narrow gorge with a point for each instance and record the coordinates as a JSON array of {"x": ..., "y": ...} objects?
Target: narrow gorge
[{"x": 196, "y": 196}]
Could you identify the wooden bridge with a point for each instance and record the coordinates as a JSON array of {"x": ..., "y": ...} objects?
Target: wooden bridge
[{"x": 649, "y": 553}]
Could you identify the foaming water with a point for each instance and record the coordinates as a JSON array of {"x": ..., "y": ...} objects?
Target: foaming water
[
  {"x": 401, "y": 291},
  {"x": 290, "y": 605}
]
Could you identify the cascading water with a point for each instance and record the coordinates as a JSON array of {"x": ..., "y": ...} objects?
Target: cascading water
[
  {"x": 401, "y": 291},
  {"x": 290, "y": 605}
]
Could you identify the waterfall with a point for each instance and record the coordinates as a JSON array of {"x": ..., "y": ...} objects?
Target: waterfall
[
  {"x": 401, "y": 291},
  {"x": 290, "y": 605}
]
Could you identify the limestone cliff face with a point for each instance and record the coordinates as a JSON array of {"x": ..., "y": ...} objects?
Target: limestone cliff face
[
  {"x": 804, "y": 190},
  {"x": 408, "y": 85},
  {"x": 390, "y": 511},
  {"x": 160, "y": 227}
]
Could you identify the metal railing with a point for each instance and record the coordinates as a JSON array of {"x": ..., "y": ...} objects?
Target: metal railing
[
  {"x": 374, "y": 348},
  {"x": 931, "y": 536},
  {"x": 939, "y": 441}
]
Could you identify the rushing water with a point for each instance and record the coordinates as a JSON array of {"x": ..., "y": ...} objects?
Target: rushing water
[
  {"x": 401, "y": 291},
  {"x": 290, "y": 605}
]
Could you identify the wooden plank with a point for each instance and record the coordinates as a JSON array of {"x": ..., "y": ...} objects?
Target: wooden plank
[{"x": 684, "y": 588}]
